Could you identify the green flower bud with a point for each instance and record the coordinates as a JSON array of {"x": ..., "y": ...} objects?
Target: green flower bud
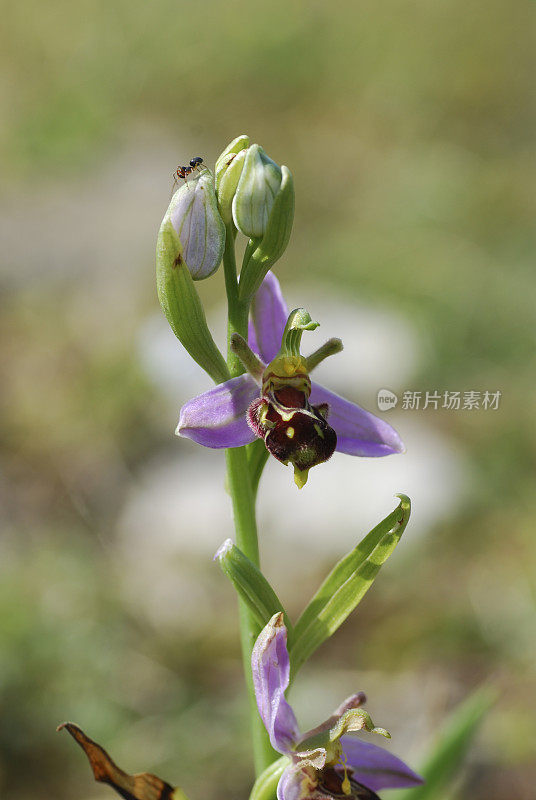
[
  {"x": 270, "y": 248},
  {"x": 225, "y": 159},
  {"x": 259, "y": 183},
  {"x": 227, "y": 181},
  {"x": 194, "y": 214},
  {"x": 257, "y": 196}
]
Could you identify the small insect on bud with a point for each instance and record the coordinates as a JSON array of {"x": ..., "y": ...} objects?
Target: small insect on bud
[
  {"x": 193, "y": 213},
  {"x": 190, "y": 247}
]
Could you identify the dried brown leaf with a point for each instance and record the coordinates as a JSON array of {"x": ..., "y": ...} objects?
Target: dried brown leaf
[{"x": 142, "y": 786}]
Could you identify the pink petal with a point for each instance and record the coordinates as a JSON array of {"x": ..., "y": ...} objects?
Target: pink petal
[
  {"x": 270, "y": 665},
  {"x": 269, "y": 316}
]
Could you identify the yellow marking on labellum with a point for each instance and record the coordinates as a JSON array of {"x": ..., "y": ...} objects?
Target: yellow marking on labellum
[
  {"x": 319, "y": 430},
  {"x": 300, "y": 477},
  {"x": 286, "y": 416},
  {"x": 266, "y": 423},
  {"x": 290, "y": 433}
]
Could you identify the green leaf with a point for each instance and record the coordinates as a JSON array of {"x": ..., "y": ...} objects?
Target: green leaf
[
  {"x": 181, "y": 304},
  {"x": 347, "y": 584},
  {"x": 265, "y": 787},
  {"x": 444, "y": 761},
  {"x": 251, "y": 585}
]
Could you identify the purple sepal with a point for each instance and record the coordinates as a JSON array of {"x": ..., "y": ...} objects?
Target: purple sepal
[
  {"x": 269, "y": 316},
  {"x": 217, "y": 418},
  {"x": 270, "y": 665},
  {"x": 359, "y": 433},
  {"x": 376, "y": 768}
]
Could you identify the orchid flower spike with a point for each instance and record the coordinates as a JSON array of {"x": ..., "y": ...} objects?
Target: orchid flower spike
[
  {"x": 301, "y": 422},
  {"x": 327, "y": 762}
]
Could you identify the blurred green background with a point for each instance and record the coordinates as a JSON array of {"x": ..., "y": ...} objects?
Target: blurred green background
[{"x": 409, "y": 128}]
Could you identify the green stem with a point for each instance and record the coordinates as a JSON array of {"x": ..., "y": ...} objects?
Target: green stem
[
  {"x": 257, "y": 458},
  {"x": 243, "y": 500},
  {"x": 238, "y": 309}
]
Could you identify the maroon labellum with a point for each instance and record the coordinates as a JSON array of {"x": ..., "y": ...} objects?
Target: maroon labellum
[{"x": 294, "y": 431}]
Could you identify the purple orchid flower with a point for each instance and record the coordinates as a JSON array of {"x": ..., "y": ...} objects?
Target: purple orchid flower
[
  {"x": 277, "y": 401},
  {"x": 327, "y": 761}
]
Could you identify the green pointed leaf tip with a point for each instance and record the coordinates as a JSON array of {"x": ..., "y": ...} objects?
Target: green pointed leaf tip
[
  {"x": 349, "y": 563},
  {"x": 182, "y": 306},
  {"x": 273, "y": 244},
  {"x": 251, "y": 585},
  {"x": 347, "y": 584}
]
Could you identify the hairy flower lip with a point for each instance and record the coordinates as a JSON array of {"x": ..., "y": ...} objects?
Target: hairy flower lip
[
  {"x": 332, "y": 748},
  {"x": 218, "y": 418},
  {"x": 296, "y": 434}
]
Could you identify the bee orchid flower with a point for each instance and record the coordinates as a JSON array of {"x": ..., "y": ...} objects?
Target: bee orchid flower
[
  {"x": 328, "y": 761},
  {"x": 301, "y": 422}
]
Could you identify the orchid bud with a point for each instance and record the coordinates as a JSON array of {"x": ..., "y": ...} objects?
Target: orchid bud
[
  {"x": 227, "y": 179},
  {"x": 257, "y": 196},
  {"x": 257, "y": 188},
  {"x": 193, "y": 212},
  {"x": 225, "y": 159},
  {"x": 178, "y": 241},
  {"x": 266, "y": 251}
]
